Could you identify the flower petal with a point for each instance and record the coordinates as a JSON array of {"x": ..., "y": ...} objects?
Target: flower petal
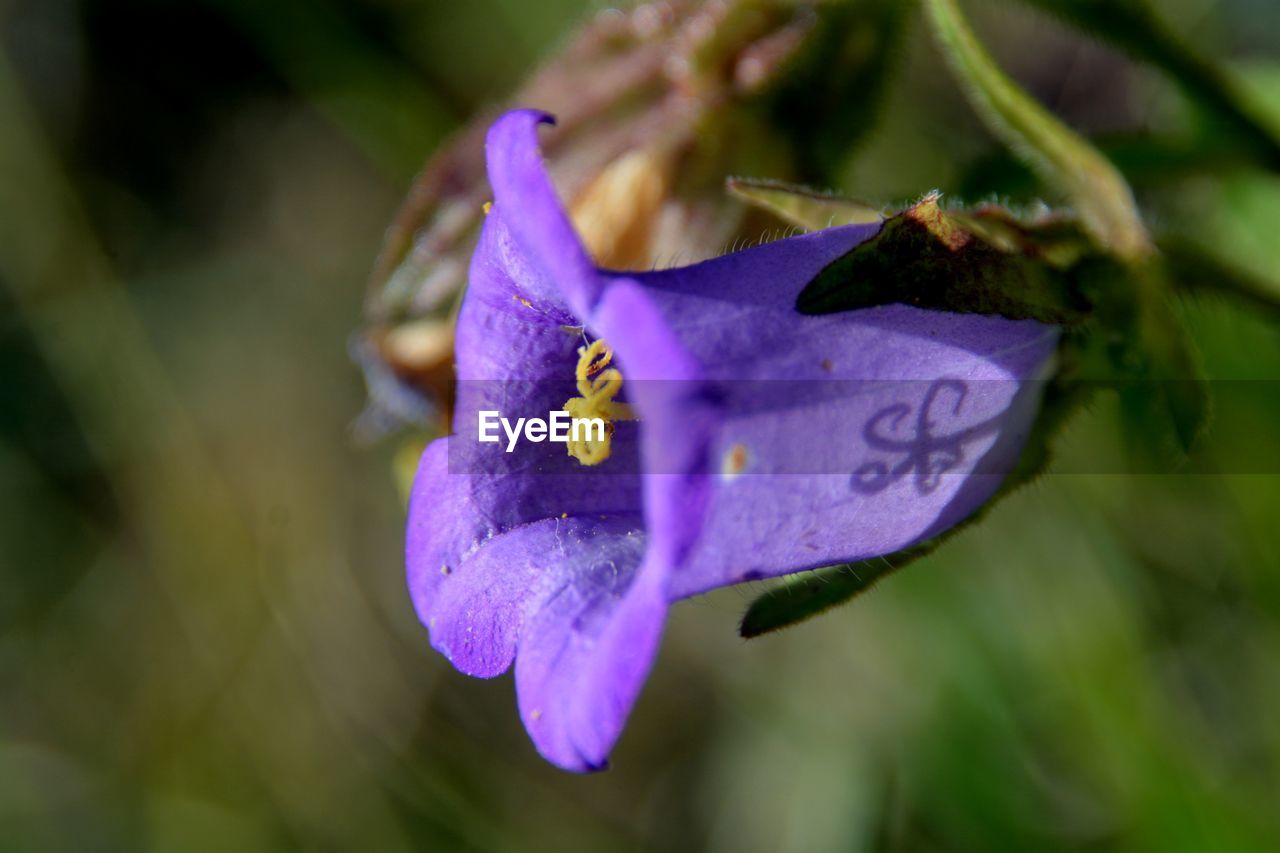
[
  {"x": 562, "y": 596},
  {"x": 475, "y": 510},
  {"x": 476, "y": 621},
  {"x": 460, "y": 522},
  {"x": 561, "y": 271},
  {"x": 678, "y": 417},
  {"x": 435, "y": 537},
  {"x": 585, "y": 654},
  {"x": 843, "y": 436},
  {"x": 515, "y": 357}
]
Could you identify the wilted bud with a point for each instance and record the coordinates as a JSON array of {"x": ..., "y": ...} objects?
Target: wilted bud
[{"x": 655, "y": 110}]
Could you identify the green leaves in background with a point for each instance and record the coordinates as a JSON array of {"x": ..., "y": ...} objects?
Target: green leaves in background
[
  {"x": 833, "y": 96},
  {"x": 1135, "y": 27},
  {"x": 1063, "y": 159},
  {"x": 1141, "y": 345},
  {"x": 1194, "y": 269}
]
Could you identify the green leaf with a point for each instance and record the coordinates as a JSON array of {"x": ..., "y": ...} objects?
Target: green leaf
[
  {"x": 834, "y": 94},
  {"x": 1136, "y": 28},
  {"x": 802, "y": 207},
  {"x": 1145, "y": 161},
  {"x": 983, "y": 261},
  {"x": 1063, "y": 159}
]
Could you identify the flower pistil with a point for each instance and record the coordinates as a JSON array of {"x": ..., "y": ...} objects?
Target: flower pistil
[{"x": 598, "y": 383}]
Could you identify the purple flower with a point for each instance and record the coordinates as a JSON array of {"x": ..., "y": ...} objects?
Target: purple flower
[{"x": 753, "y": 442}]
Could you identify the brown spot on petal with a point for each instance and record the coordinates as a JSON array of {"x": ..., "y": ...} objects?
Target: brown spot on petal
[{"x": 734, "y": 462}]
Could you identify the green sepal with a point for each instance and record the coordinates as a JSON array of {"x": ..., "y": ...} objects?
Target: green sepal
[
  {"x": 983, "y": 261},
  {"x": 802, "y": 207},
  {"x": 804, "y": 595}
]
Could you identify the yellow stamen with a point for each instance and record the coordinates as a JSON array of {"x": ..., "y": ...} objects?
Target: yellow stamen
[{"x": 598, "y": 384}]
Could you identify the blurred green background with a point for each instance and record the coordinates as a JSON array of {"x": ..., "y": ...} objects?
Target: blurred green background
[{"x": 205, "y": 640}]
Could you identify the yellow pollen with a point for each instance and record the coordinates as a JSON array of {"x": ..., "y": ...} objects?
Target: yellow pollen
[
  {"x": 486, "y": 207},
  {"x": 598, "y": 384}
]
